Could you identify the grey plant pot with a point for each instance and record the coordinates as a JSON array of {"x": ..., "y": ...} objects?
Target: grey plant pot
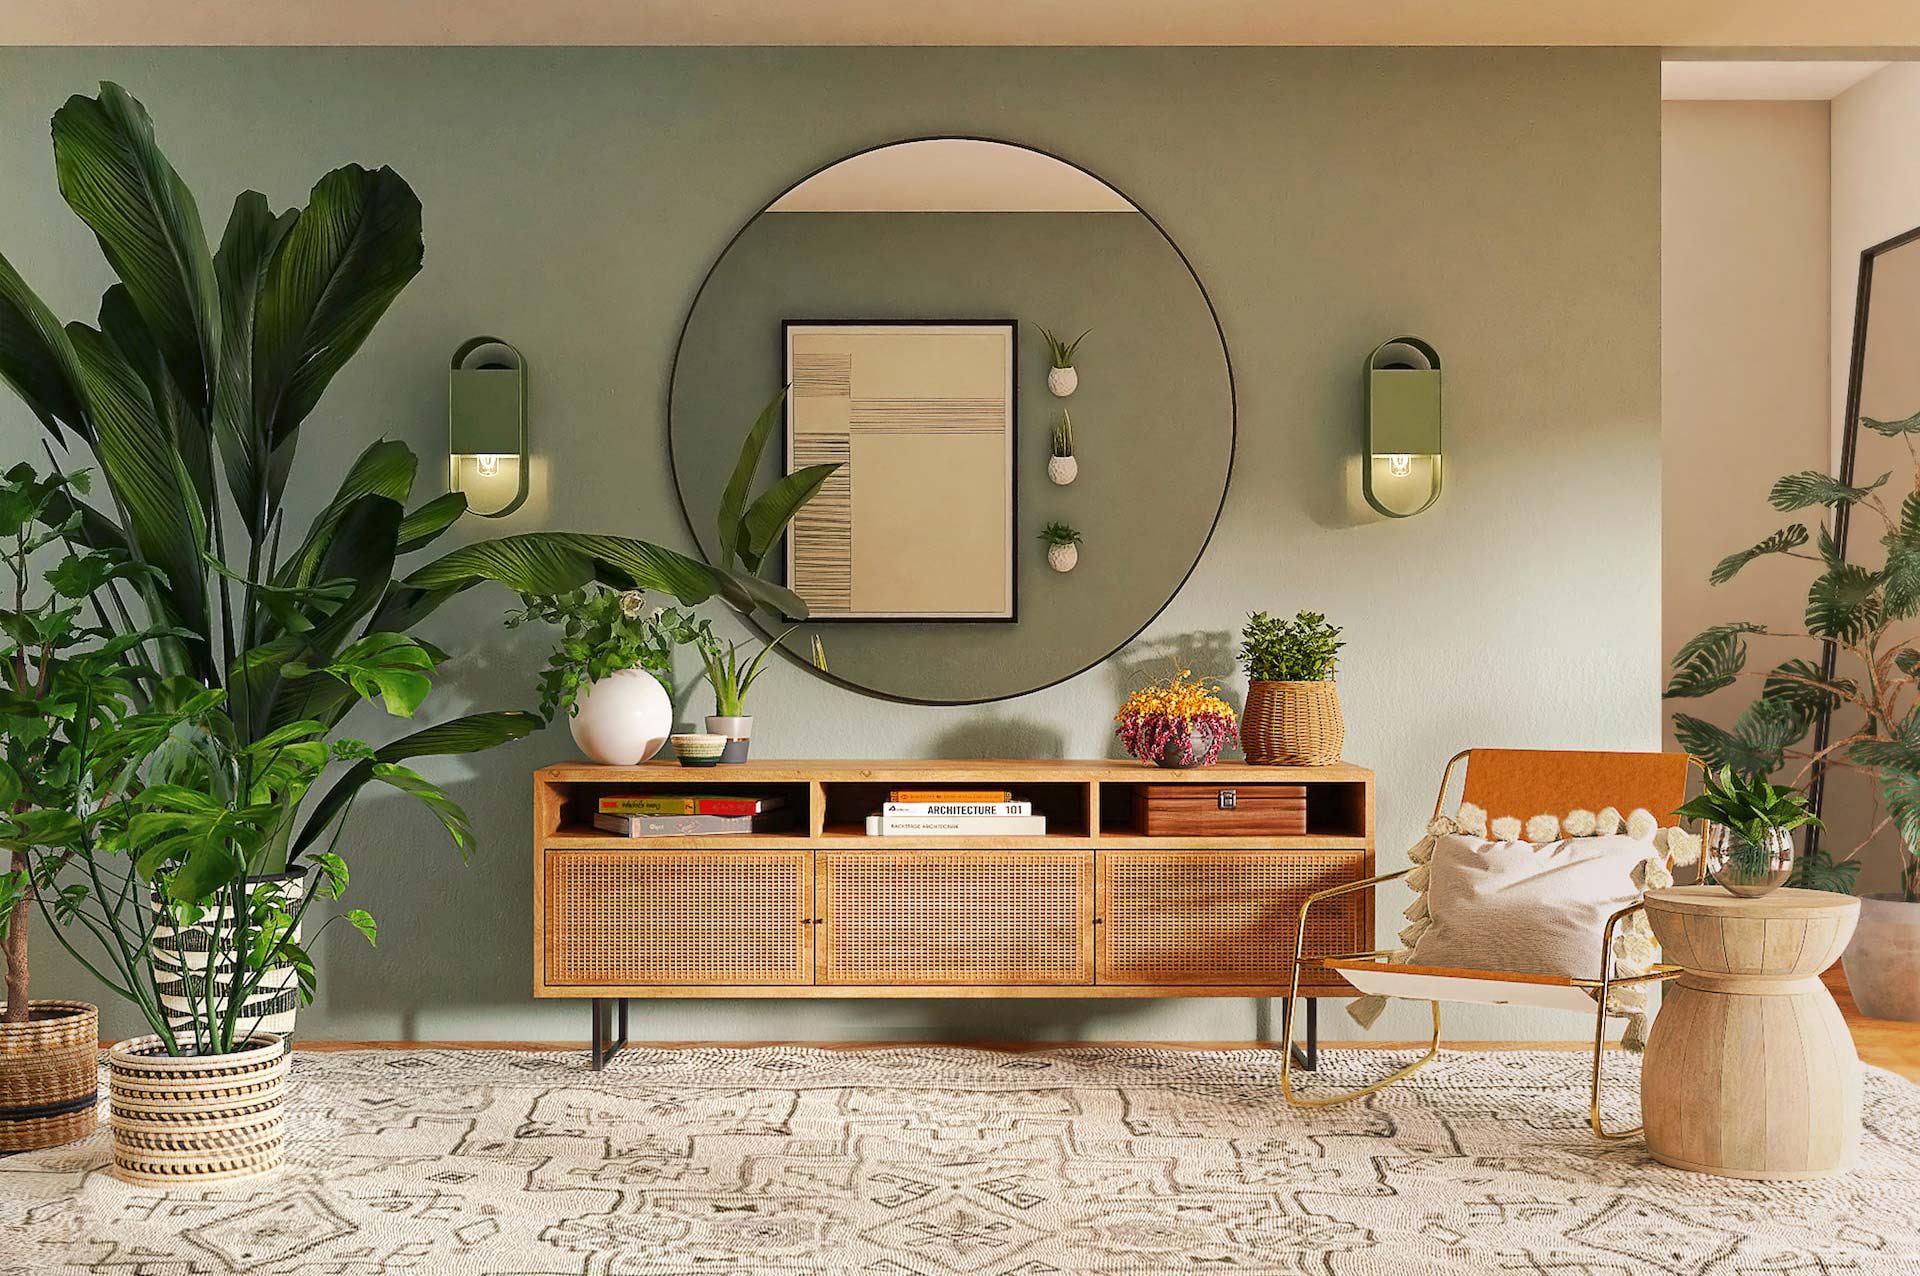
[
  {"x": 739, "y": 733},
  {"x": 1883, "y": 961}
]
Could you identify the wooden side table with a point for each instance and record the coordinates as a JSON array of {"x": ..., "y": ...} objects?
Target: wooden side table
[{"x": 1750, "y": 1071}]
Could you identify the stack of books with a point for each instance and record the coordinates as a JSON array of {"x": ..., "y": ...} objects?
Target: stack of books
[
  {"x": 680, "y": 815},
  {"x": 955, "y": 813}
]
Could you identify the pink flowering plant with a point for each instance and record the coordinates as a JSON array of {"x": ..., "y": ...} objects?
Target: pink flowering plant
[{"x": 1177, "y": 717}]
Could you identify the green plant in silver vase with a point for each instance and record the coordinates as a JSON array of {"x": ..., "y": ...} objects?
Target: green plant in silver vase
[{"x": 1748, "y": 848}]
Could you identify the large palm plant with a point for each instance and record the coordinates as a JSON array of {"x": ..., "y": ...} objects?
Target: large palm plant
[{"x": 190, "y": 390}]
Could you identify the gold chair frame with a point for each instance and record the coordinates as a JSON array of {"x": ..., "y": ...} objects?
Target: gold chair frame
[{"x": 1602, "y": 987}]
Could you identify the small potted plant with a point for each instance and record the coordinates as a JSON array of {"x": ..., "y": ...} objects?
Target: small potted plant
[
  {"x": 731, "y": 678},
  {"x": 1174, "y": 722},
  {"x": 1062, "y": 467},
  {"x": 1063, "y": 546},
  {"x": 1293, "y": 708},
  {"x": 612, "y": 670},
  {"x": 1062, "y": 378},
  {"x": 1748, "y": 847}
]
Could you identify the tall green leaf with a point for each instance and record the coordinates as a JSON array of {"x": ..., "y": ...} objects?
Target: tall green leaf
[
  {"x": 733, "y": 499},
  {"x": 115, "y": 178},
  {"x": 246, "y": 249},
  {"x": 37, "y": 359},
  {"x": 422, "y": 527},
  {"x": 130, "y": 334},
  {"x": 1786, "y": 540},
  {"x": 163, "y": 523},
  {"x": 385, "y": 469},
  {"x": 769, "y": 515},
  {"x": 336, "y": 270},
  {"x": 474, "y": 733}
]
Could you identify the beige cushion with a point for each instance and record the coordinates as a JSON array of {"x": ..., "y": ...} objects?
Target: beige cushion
[{"x": 1515, "y": 906}]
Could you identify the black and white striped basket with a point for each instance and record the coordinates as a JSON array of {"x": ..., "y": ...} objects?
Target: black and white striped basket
[{"x": 181, "y": 962}]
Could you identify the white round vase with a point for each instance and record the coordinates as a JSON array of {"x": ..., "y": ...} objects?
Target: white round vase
[
  {"x": 1063, "y": 557},
  {"x": 1063, "y": 469},
  {"x": 1062, "y": 381},
  {"x": 622, "y": 719}
]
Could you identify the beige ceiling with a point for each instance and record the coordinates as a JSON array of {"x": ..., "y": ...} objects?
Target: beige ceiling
[{"x": 1699, "y": 24}]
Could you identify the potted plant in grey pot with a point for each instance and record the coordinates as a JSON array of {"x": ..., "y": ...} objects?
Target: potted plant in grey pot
[
  {"x": 246, "y": 641},
  {"x": 1864, "y": 614},
  {"x": 731, "y": 676}
]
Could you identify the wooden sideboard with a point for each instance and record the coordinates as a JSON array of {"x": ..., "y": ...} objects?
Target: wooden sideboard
[{"x": 1094, "y": 908}]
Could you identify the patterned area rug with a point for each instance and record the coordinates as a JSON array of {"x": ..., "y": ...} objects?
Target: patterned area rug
[{"x": 924, "y": 1162}]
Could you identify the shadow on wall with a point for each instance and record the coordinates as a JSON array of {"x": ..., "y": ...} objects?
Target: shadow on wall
[
  {"x": 1208, "y": 653},
  {"x": 1001, "y": 738}
]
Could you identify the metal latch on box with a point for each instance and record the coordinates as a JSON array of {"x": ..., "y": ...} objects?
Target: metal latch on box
[{"x": 1229, "y": 799}]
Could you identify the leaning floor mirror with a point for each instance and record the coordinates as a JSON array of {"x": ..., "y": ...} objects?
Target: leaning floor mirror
[{"x": 1009, "y": 508}]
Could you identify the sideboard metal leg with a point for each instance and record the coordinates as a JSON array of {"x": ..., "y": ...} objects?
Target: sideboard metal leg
[
  {"x": 601, "y": 1049},
  {"x": 1309, "y": 1059}
]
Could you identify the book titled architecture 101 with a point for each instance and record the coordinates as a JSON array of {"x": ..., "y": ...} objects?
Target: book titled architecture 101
[
  {"x": 918, "y": 810},
  {"x": 686, "y": 804},
  {"x": 957, "y": 825},
  {"x": 685, "y": 825}
]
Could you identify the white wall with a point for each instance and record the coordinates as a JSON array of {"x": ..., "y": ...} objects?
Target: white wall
[{"x": 1744, "y": 279}]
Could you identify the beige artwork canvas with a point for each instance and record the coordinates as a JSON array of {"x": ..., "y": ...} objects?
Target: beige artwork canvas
[{"x": 917, "y": 524}]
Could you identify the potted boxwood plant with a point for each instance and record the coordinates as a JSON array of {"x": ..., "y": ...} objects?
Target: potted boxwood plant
[
  {"x": 190, "y": 394},
  {"x": 1861, "y": 613},
  {"x": 1293, "y": 706},
  {"x": 1063, "y": 546}
]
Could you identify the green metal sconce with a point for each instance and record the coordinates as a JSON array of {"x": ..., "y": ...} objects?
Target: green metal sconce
[
  {"x": 487, "y": 415},
  {"x": 1403, "y": 424}
]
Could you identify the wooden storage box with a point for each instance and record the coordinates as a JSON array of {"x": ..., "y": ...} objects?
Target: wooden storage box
[{"x": 1220, "y": 810}]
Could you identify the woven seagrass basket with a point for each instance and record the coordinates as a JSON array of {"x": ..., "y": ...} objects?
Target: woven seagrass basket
[
  {"x": 1292, "y": 724},
  {"x": 49, "y": 1076},
  {"x": 198, "y": 1118}
]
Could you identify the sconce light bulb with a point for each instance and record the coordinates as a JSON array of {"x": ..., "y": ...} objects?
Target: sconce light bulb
[
  {"x": 487, "y": 463},
  {"x": 1399, "y": 464}
]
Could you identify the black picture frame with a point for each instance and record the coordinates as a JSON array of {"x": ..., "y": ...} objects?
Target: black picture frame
[{"x": 1013, "y": 465}]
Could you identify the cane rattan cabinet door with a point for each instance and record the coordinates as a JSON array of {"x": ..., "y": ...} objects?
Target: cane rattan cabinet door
[
  {"x": 640, "y": 917},
  {"x": 954, "y": 917},
  {"x": 1175, "y": 918}
]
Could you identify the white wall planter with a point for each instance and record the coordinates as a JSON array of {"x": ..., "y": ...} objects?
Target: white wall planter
[
  {"x": 1062, "y": 381},
  {"x": 1063, "y": 558},
  {"x": 1063, "y": 469},
  {"x": 622, "y": 719}
]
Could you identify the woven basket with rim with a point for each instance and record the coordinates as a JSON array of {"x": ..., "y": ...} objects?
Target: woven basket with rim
[
  {"x": 49, "y": 1076},
  {"x": 196, "y": 1119},
  {"x": 1292, "y": 724}
]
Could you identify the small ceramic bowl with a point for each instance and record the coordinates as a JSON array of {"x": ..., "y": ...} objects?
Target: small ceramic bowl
[{"x": 699, "y": 750}]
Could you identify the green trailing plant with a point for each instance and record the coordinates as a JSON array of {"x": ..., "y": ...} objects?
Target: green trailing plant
[
  {"x": 602, "y": 632},
  {"x": 1304, "y": 649},
  {"x": 731, "y": 674},
  {"x": 1860, "y": 613},
  {"x": 1063, "y": 436},
  {"x": 190, "y": 391},
  {"x": 1752, "y": 809},
  {"x": 1059, "y": 352},
  {"x": 1059, "y": 534}
]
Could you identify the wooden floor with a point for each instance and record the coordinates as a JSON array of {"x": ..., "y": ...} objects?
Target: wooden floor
[{"x": 1881, "y": 1042}]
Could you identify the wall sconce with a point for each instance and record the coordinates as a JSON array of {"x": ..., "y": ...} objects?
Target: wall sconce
[
  {"x": 1403, "y": 426},
  {"x": 487, "y": 415}
]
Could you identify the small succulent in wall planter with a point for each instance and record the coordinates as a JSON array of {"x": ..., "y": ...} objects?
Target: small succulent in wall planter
[
  {"x": 1062, "y": 379},
  {"x": 1062, "y": 466},
  {"x": 1063, "y": 546}
]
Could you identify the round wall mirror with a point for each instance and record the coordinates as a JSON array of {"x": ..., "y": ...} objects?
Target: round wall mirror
[{"x": 905, "y": 298}]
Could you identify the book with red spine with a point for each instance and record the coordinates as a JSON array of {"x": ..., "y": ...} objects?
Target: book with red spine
[{"x": 685, "y": 804}]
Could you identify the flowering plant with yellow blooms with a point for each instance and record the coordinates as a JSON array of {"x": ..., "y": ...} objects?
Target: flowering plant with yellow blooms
[{"x": 1175, "y": 721}]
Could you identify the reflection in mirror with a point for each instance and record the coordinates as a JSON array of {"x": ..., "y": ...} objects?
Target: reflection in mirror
[
  {"x": 901, "y": 293},
  {"x": 1884, "y": 384}
]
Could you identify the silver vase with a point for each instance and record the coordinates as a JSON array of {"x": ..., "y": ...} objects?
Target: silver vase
[{"x": 1749, "y": 869}]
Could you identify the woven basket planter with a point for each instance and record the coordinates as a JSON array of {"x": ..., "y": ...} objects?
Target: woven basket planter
[
  {"x": 1292, "y": 724},
  {"x": 183, "y": 962},
  {"x": 198, "y": 1118},
  {"x": 49, "y": 1076}
]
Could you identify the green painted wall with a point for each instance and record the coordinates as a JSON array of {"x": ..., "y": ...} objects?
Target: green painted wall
[
  {"x": 1504, "y": 204},
  {"x": 1153, "y": 415}
]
